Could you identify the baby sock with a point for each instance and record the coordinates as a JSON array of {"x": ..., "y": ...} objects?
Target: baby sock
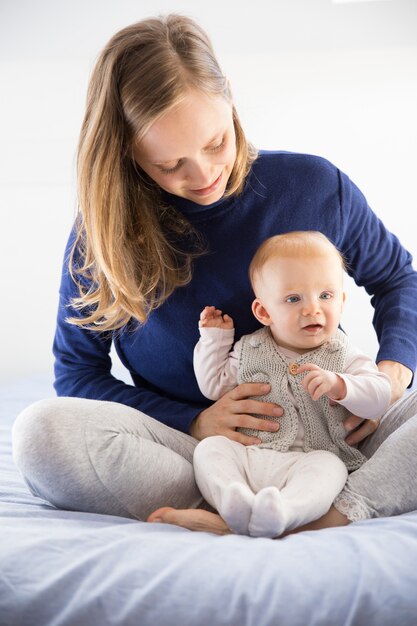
[
  {"x": 236, "y": 507},
  {"x": 268, "y": 514}
]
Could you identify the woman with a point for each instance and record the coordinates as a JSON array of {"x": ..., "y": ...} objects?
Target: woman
[{"x": 173, "y": 203}]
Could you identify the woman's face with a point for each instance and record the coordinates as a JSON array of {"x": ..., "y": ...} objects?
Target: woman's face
[{"x": 190, "y": 151}]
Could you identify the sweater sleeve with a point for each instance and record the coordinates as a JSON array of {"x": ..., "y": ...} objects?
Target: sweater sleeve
[
  {"x": 378, "y": 261},
  {"x": 368, "y": 391},
  {"x": 215, "y": 366},
  {"x": 83, "y": 366}
]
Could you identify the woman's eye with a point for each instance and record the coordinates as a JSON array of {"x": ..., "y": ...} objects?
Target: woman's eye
[
  {"x": 170, "y": 170},
  {"x": 218, "y": 147},
  {"x": 326, "y": 295},
  {"x": 293, "y": 299}
]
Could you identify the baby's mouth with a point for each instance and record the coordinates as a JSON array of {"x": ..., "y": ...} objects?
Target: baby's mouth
[{"x": 311, "y": 328}]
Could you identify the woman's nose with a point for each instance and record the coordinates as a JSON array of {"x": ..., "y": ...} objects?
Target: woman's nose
[{"x": 200, "y": 175}]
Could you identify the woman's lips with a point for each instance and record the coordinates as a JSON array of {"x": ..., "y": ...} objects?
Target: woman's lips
[{"x": 207, "y": 190}]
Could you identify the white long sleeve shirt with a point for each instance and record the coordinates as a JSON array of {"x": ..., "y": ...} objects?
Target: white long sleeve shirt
[{"x": 368, "y": 391}]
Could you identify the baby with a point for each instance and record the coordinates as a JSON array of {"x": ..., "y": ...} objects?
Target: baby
[{"x": 314, "y": 373}]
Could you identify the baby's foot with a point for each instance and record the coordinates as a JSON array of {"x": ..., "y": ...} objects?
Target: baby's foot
[
  {"x": 236, "y": 507},
  {"x": 268, "y": 514}
]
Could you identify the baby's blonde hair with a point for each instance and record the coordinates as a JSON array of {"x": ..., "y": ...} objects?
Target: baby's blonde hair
[
  {"x": 127, "y": 259},
  {"x": 296, "y": 244}
]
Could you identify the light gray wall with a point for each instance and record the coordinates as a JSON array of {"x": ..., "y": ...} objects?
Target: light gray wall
[{"x": 335, "y": 79}]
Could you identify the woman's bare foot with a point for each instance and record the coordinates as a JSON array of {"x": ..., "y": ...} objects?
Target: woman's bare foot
[
  {"x": 331, "y": 519},
  {"x": 204, "y": 521},
  {"x": 193, "y": 519}
]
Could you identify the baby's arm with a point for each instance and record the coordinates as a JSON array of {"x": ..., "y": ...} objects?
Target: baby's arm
[
  {"x": 215, "y": 366},
  {"x": 319, "y": 382},
  {"x": 367, "y": 391}
]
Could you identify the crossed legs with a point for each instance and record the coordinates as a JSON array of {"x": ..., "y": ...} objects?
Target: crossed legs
[{"x": 261, "y": 492}]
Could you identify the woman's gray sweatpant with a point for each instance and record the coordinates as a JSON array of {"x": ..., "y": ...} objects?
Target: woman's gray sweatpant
[{"x": 105, "y": 457}]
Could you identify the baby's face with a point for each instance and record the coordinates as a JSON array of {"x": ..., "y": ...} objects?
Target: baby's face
[{"x": 303, "y": 299}]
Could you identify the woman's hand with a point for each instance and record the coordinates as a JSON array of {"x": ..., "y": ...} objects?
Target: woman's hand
[
  {"x": 400, "y": 377},
  {"x": 233, "y": 410},
  {"x": 359, "y": 428}
]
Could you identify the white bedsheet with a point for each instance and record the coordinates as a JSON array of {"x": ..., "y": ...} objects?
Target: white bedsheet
[{"x": 66, "y": 568}]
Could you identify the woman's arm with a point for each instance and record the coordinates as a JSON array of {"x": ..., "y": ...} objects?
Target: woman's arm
[
  {"x": 83, "y": 367},
  {"x": 378, "y": 262},
  {"x": 83, "y": 370}
]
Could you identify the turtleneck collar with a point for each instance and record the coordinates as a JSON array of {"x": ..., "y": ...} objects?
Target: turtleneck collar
[{"x": 190, "y": 208}]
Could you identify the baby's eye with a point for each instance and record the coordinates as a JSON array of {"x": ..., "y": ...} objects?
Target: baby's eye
[
  {"x": 292, "y": 299},
  {"x": 326, "y": 295}
]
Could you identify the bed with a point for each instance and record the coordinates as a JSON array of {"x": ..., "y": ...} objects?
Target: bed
[{"x": 62, "y": 568}]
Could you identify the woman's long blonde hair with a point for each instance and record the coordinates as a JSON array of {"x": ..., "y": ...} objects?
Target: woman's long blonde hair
[{"x": 126, "y": 258}]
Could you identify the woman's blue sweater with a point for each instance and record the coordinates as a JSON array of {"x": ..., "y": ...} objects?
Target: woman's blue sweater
[{"x": 283, "y": 192}]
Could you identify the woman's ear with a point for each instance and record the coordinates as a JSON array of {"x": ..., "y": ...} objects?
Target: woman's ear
[{"x": 260, "y": 312}]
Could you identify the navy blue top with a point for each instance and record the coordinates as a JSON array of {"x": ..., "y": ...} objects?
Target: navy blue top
[{"x": 283, "y": 192}]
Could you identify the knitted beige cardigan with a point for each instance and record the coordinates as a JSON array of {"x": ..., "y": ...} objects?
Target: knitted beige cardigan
[{"x": 261, "y": 361}]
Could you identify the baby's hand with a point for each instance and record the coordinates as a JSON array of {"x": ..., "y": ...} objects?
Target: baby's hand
[
  {"x": 319, "y": 382},
  {"x": 210, "y": 317}
]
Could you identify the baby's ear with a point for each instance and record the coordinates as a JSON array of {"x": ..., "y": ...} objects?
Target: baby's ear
[{"x": 260, "y": 312}]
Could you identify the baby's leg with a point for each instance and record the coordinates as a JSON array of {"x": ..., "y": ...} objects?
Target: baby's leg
[
  {"x": 220, "y": 467},
  {"x": 313, "y": 480}
]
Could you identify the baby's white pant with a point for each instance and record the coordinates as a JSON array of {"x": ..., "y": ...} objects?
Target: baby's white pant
[{"x": 262, "y": 492}]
